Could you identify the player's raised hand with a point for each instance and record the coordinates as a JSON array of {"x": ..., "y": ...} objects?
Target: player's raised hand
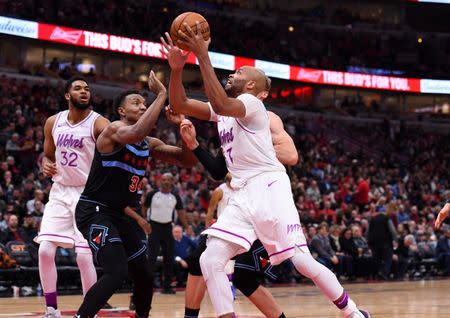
[
  {"x": 155, "y": 85},
  {"x": 176, "y": 57},
  {"x": 174, "y": 117},
  {"x": 195, "y": 42},
  {"x": 442, "y": 216},
  {"x": 49, "y": 168},
  {"x": 188, "y": 134}
]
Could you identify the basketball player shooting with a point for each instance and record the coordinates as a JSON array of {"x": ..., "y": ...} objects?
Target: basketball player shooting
[
  {"x": 247, "y": 269},
  {"x": 261, "y": 183}
]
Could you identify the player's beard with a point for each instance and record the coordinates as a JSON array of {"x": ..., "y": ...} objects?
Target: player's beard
[
  {"x": 235, "y": 89},
  {"x": 79, "y": 105}
]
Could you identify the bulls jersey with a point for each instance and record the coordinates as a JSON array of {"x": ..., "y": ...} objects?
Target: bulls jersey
[
  {"x": 74, "y": 149},
  {"x": 248, "y": 151},
  {"x": 115, "y": 178},
  {"x": 227, "y": 192}
]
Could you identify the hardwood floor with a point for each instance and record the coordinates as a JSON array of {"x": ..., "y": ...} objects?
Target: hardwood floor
[{"x": 419, "y": 299}]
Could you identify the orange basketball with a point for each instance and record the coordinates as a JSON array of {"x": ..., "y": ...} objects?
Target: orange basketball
[{"x": 190, "y": 18}]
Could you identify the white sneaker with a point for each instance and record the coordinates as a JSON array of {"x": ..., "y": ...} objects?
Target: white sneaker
[{"x": 52, "y": 313}]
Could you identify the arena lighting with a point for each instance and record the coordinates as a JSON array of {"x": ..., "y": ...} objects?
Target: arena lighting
[
  {"x": 114, "y": 43},
  {"x": 432, "y": 1}
]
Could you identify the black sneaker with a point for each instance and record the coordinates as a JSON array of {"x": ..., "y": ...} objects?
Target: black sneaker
[{"x": 168, "y": 291}]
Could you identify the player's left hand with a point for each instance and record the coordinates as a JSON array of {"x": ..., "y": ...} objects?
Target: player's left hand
[
  {"x": 146, "y": 227},
  {"x": 195, "y": 42}
]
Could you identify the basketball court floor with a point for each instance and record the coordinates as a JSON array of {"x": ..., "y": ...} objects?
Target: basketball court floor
[{"x": 419, "y": 299}]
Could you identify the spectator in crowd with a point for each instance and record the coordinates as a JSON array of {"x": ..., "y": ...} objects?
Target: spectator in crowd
[
  {"x": 38, "y": 196},
  {"x": 362, "y": 194},
  {"x": 364, "y": 264},
  {"x": 13, "y": 232},
  {"x": 320, "y": 244},
  {"x": 381, "y": 234},
  {"x": 182, "y": 249},
  {"x": 29, "y": 227},
  {"x": 443, "y": 251}
]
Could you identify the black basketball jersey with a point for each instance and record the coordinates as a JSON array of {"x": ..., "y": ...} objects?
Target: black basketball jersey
[{"x": 115, "y": 178}]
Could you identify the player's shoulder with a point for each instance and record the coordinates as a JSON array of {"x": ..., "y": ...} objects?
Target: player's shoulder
[
  {"x": 249, "y": 98},
  {"x": 50, "y": 122}
]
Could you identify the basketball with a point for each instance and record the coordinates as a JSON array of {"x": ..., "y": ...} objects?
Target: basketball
[{"x": 190, "y": 18}]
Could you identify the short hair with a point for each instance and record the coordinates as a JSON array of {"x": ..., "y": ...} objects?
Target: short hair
[
  {"x": 323, "y": 225},
  {"x": 168, "y": 174},
  {"x": 118, "y": 101},
  {"x": 71, "y": 80},
  {"x": 268, "y": 81}
]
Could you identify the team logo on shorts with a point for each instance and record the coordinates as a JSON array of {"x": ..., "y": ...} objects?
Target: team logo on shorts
[{"x": 97, "y": 235}]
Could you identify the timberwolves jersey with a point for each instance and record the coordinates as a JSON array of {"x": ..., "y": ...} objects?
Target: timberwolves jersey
[
  {"x": 74, "y": 149},
  {"x": 248, "y": 153},
  {"x": 115, "y": 178}
]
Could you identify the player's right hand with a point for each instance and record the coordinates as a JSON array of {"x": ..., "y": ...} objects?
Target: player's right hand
[
  {"x": 49, "y": 169},
  {"x": 176, "y": 57},
  {"x": 188, "y": 134},
  {"x": 145, "y": 226},
  {"x": 155, "y": 85}
]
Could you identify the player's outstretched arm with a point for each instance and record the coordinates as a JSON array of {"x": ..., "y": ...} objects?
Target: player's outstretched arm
[
  {"x": 172, "y": 154},
  {"x": 119, "y": 133},
  {"x": 284, "y": 145},
  {"x": 48, "y": 162},
  {"x": 442, "y": 215},
  {"x": 220, "y": 102},
  {"x": 216, "y": 166},
  {"x": 213, "y": 203},
  {"x": 179, "y": 102}
]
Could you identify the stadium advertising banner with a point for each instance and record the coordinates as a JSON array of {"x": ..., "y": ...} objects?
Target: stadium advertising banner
[{"x": 125, "y": 45}]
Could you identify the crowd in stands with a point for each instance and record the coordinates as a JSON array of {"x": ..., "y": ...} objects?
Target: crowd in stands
[
  {"x": 328, "y": 41},
  {"x": 392, "y": 178}
]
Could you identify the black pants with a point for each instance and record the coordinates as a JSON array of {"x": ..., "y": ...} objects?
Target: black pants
[
  {"x": 161, "y": 237},
  {"x": 118, "y": 249},
  {"x": 382, "y": 257}
]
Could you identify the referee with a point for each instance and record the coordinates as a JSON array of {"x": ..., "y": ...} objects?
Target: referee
[{"x": 160, "y": 206}]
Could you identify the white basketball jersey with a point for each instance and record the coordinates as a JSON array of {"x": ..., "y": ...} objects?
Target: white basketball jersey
[
  {"x": 227, "y": 192},
  {"x": 248, "y": 153},
  {"x": 75, "y": 145}
]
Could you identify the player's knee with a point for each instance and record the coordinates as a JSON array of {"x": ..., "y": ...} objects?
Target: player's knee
[
  {"x": 85, "y": 261},
  {"x": 114, "y": 263},
  {"x": 140, "y": 271},
  {"x": 245, "y": 281},
  {"x": 209, "y": 264},
  {"x": 47, "y": 251},
  {"x": 306, "y": 264}
]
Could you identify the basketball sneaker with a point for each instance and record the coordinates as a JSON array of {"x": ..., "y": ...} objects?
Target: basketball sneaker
[{"x": 52, "y": 313}]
